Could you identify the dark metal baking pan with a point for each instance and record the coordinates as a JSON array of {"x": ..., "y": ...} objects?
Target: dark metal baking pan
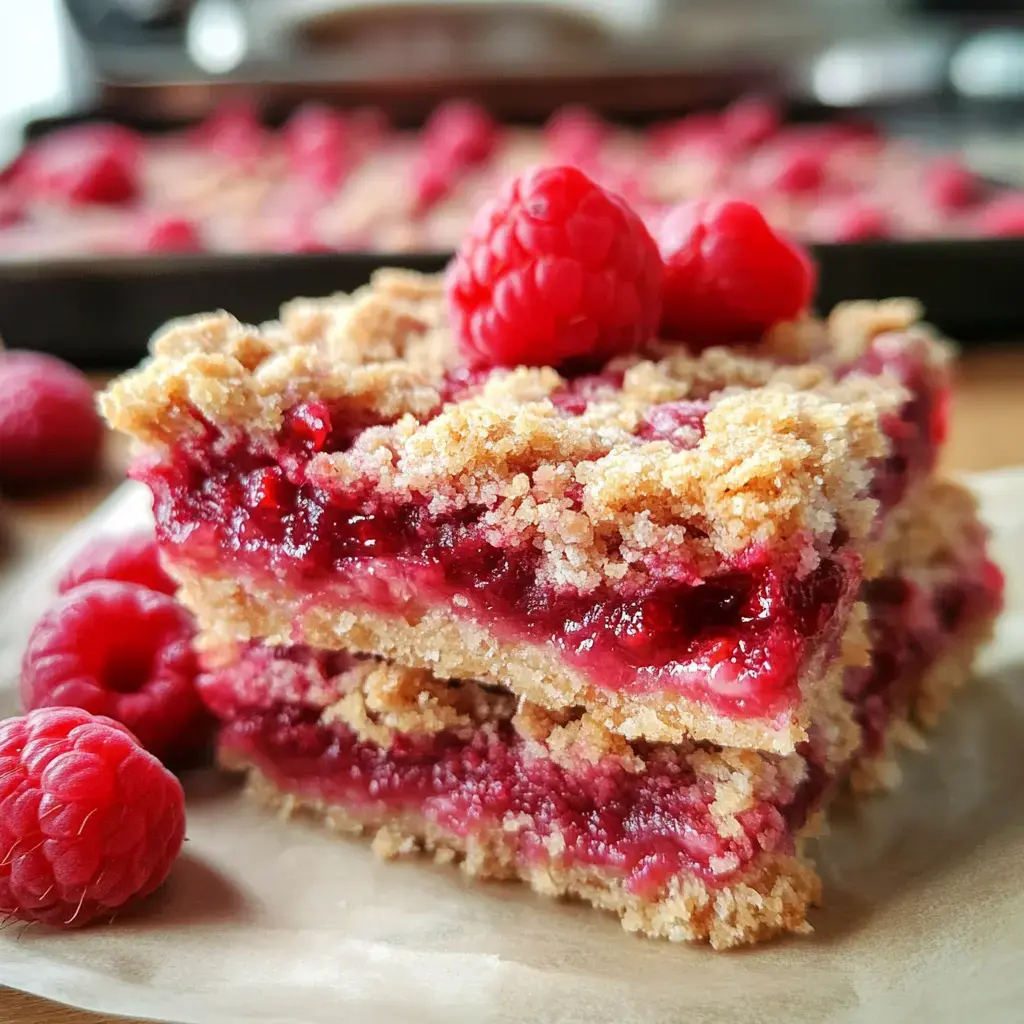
[{"x": 100, "y": 312}]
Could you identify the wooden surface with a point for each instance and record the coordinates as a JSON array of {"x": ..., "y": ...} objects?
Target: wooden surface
[{"x": 987, "y": 433}]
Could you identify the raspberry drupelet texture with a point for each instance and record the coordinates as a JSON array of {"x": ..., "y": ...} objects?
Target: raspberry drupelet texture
[
  {"x": 50, "y": 431},
  {"x": 557, "y": 268},
  {"x": 120, "y": 650},
  {"x": 131, "y": 559},
  {"x": 728, "y": 275},
  {"x": 88, "y": 819}
]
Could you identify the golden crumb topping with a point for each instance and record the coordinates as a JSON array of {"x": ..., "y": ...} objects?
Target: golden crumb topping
[{"x": 782, "y": 448}]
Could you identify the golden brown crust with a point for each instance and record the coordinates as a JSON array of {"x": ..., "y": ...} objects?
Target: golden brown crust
[
  {"x": 769, "y": 898},
  {"x": 785, "y": 453}
]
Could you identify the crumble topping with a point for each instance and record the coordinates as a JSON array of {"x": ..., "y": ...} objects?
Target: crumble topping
[
  {"x": 783, "y": 453},
  {"x": 384, "y": 700},
  {"x": 935, "y": 530}
]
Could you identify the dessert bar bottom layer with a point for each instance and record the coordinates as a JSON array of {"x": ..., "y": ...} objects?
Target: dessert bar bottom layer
[
  {"x": 771, "y": 896},
  {"x": 685, "y": 842}
]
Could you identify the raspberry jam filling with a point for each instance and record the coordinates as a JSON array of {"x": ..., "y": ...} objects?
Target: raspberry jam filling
[
  {"x": 643, "y": 827},
  {"x": 737, "y": 640}
]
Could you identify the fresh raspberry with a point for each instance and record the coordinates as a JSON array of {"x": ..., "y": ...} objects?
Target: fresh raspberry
[
  {"x": 431, "y": 180},
  {"x": 728, "y": 276},
  {"x": 234, "y": 132},
  {"x": 296, "y": 233},
  {"x": 556, "y": 268},
  {"x": 50, "y": 432},
  {"x": 367, "y": 127},
  {"x": 11, "y": 209},
  {"x": 575, "y": 135},
  {"x": 172, "y": 234},
  {"x": 461, "y": 132},
  {"x": 750, "y": 121},
  {"x": 131, "y": 559},
  {"x": 793, "y": 168},
  {"x": 855, "y": 222},
  {"x": 949, "y": 185},
  {"x": 1003, "y": 217},
  {"x": 121, "y": 650},
  {"x": 703, "y": 130},
  {"x": 88, "y": 819},
  {"x": 89, "y": 163},
  {"x": 316, "y": 140}
]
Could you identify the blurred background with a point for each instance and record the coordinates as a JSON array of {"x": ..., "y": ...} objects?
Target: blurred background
[{"x": 908, "y": 178}]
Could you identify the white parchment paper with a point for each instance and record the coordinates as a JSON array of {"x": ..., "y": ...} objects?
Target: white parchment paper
[{"x": 264, "y": 921}]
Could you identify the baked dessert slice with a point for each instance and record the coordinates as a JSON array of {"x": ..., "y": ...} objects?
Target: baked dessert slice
[
  {"x": 672, "y": 540},
  {"x": 683, "y": 841}
]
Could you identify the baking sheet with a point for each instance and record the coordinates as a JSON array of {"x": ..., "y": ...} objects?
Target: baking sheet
[
  {"x": 266, "y": 922},
  {"x": 99, "y": 313}
]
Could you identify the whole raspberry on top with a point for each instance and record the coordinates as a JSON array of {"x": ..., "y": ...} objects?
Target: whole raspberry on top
[
  {"x": 88, "y": 163},
  {"x": 88, "y": 819},
  {"x": 728, "y": 275},
  {"x": 1003, "y": 217},
  {"x": 460, "y": 132},
  {"x": 233, "y": 131},
  {"x": 576, "y": 135},
  {"x": 556, "y": 268},
  {"x": 949, "y": 185},
  {"x": 120, "y": 650},
  {"x": 130, "y": 559},
  {"x": 316, "y": 139},
  {"x": 50, "y": 431},
  {"x": 171, "y": 234}
]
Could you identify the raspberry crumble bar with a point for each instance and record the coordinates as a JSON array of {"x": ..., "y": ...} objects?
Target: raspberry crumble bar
[{"x": 619, "y": 627}]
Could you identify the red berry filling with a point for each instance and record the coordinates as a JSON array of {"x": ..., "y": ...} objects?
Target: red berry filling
[
  {"x": 645, "y": 827},
  {"x": 737, "y": 640},
  {"x": 910, "y": 627}
]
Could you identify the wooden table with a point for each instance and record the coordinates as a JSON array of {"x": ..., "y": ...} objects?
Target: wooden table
[{"x": 987, "y": 433}]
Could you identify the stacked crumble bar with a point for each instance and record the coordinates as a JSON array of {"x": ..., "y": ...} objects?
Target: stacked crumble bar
[{"x": 619, "y": 633}]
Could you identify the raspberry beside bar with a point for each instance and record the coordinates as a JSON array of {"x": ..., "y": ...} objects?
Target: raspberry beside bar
[
  {"x": 685, "y": 841},
  {"x": 671, "y": 541}
]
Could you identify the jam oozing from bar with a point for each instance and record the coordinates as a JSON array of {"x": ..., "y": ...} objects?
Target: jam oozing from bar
[
  {"x": 641, "y": 826},
  {"x": 644, "y": 827},
  {"x": 736, "y": 640}
]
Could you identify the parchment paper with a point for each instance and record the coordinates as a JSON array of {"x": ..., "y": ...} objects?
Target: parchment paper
[{"x": 270, "y": 922}]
